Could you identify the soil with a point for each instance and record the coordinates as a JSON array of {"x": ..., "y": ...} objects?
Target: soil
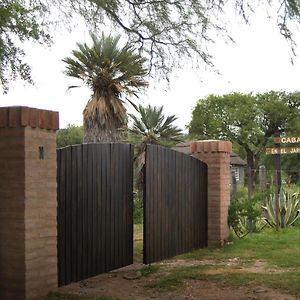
[{"x": 126, "y": 283}]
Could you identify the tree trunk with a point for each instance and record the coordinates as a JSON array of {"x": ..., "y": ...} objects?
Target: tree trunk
[
  {"x": 92, "y": 133},
  {"x": 251, "y": 173}
]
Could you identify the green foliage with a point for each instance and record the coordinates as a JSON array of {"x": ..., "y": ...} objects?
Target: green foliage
[
  {"x": 151, "y": 126},
  {"x": 111, "y": 72},
  {"x": 19, "y": 21},
  {"x": 138, "y": 211},
  {"x": 168, "y": 31},
  {"x": 71, "y": 135},
  {"x": 247, "y": 120},
  {"x": 165, "y": 32},
  {"x": 149, "y": 269},
  {"x": 138, "y": 243},
  {"x": 289, "y": 209},
  {"x": 244, "y": 215},
  {"x": 277, "y": 248}
]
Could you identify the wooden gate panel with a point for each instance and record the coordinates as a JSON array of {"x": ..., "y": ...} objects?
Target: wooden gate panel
[
  {"x": 175, "y": 204},
  {"x": 95, "y": 219}
]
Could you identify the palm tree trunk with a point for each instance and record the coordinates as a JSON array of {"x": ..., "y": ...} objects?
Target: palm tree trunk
[{"x": 92, "y": 133}]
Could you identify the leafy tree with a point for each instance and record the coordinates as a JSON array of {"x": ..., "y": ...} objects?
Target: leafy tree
[
  {"x": 18, "y": 23},
  {"x": 71, "y": 135},
  {"x": 111, "y": 73},
  {"x": 151, "y": 127},
  {"x": 164, "y": 31},
  {"x": 245, "y": 119}
]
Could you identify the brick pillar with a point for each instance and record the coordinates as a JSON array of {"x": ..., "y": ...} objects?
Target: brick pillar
[
  {"x": 28, "y": 251},
  {"x": 216, "y": 154}
]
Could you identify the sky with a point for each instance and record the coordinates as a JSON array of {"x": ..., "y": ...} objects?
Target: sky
[{"x": 258, "y": 61}]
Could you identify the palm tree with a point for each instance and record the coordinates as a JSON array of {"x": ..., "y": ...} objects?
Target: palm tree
[
  {"x": 112, "y": 74},
  {"x": 151, "y": 127}
]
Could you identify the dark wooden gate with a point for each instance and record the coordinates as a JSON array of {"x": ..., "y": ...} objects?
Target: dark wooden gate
[
  {"x": 95, "y": 220},
  {"x": 175, "y": 204}
]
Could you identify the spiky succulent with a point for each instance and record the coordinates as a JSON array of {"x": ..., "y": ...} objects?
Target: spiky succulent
[{"x": 288, "y": 209}]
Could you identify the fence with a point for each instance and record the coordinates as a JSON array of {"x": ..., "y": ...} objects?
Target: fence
[
  {"x": 95, "y": 222},
  {"x": 175, "y": 203}
]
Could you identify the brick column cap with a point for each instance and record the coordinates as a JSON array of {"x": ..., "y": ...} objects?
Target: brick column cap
[
  {"x": 23, "y": 116},
  {"x": 208, "y": 146}
]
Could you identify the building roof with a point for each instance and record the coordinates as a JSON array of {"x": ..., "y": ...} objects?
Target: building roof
[{"x": 235, "y": 160}]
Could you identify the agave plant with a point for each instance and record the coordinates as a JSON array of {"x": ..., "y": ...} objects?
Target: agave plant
[{"x": 288, "y": 209}]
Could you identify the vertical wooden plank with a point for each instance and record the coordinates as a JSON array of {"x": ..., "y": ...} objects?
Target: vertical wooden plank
[
  {"x": 197, "y": 202},
  {"x": 205, "y": 202},
  {"x": 79, "y": 188},
  {"x": 61, "y": 214},
  {"x": 115, "y": 218},
  {"x": 177, "y": 221},
  {"x": 99, "y": 209},
  {"x": 85, "y": 210},
  {"x": 145, "y": 208},
  {"x": 113, "y": 209},
  {"x": 172, "y": 203},
  {"x": 180, "y": 203},
  {"x": 130, "y": 205},
  {"x": 104, "y": 204},
  {"x": 123, "y": 208},
  {"x": 119, "y": 203},
  {"x": 68, "y": 215},
  {"x": 90, "y": 209},
  {"x": 73, "y": 211},
  {"x": 94, "y": 228},
  {"x": 110, "y": 209},
  {"x": 123, "y": 203},
  {"x": 190, "y": 205}
]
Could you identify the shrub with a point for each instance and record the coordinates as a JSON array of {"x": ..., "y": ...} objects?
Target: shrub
[
  {"x": 244, "y": 215},
  {"x": 289, "y": 209},
  {"x": 138, "y": 208}
]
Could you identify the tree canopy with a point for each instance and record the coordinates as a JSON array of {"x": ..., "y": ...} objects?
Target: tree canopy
[
  {"x": 113, "y": 73},
  {"x": 18, "y": 22},
  {"x": 71, "y": 135},
  {"x": 151, "y": 126},
  {"x": 247, "y": 120},
  {"x": 163, "y": 31}
]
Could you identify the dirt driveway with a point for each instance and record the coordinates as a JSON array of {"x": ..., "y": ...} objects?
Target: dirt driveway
[{"x": 127, "y": 283}]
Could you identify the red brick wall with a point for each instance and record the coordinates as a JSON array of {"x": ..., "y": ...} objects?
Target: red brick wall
[
  {"x": 12, "y": 207},
  {"x": 216, "y": 154},
  {"x": 28, "y": 254}
]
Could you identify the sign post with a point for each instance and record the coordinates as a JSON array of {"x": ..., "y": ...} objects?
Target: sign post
[
  {"x": 277, "y": 177},
  {"x": 277, "y": 151}
]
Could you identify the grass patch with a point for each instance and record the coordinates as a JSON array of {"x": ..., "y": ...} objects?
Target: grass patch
[
  {"x": 59, "y": 296},
  {"x": 138, "y": 243},
  {"x": 149, "y": 269},
  {"x": 287, "y": 281},
  {"x": 280, "y": 248},
  {"x": 176, "y": 278}
]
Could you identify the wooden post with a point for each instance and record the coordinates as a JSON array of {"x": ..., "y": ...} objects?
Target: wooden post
[
  {"x": 262, "y": 178},
  {"x": 250, "y": 187},
  {"x": 233, "y": 186},
  {"x": 277, "y": 177}
]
